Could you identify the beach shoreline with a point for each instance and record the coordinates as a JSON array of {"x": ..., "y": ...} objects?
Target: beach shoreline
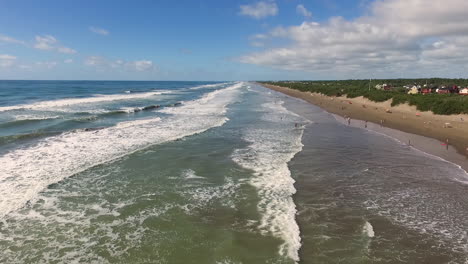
[{"x": 424, "y": 131}]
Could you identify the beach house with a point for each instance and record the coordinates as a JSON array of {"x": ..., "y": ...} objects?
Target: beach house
[
  {"x": 453, "y": 89},
  {"x": 443, "y": 90},
  {"x": 384, "y": 86},
  {"x": 426, "y": 90},
  {"x": 463, "y": 91},
  {"x": 413, "y": 90},
  {"x": 387, "y": 87}
]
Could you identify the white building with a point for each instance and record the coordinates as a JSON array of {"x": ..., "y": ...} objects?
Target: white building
[{"x": 413, "y": 90}]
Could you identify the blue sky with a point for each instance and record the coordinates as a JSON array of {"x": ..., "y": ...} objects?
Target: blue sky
[{"x": 224, "y": 40}]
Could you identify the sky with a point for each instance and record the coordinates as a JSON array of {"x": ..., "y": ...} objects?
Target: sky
[{"x": 223, "y": 40}]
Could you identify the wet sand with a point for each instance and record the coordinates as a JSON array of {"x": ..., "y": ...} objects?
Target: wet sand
[
  {"x": 363, "y": 198},
  {"x": 424, "y": 131}
]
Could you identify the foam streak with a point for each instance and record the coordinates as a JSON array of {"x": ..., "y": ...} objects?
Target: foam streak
[
  {"x": 26, "y": 172},
  {"x": 268, "y": 155}
]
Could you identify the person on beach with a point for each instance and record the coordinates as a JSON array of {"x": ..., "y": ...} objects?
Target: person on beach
[
  {"x": 447, "y": 143},
  {"x": 349, "y": 121},
  {"x": 365, "y": 124}
]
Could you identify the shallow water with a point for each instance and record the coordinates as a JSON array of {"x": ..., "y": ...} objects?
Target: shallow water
[
  {"x": 366, "y": 198},
  {"x": 176, "y": 184},
  {"x": 88, "y": 175}
]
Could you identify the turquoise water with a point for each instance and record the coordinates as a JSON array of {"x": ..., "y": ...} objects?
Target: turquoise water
[{"x": 186, "y": 172}]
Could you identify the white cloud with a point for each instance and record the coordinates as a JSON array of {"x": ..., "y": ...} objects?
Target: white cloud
[
  {"x": 68, "y": 61},
  {"x": 104, "y": 63},
  {"x": 99, "y": 31},
  {"x": 8, "y": 39},
  {"x": 422, "y": 18},
  {"x": 260, "y": 9},
  {"x": 45, "y": 42},
  {"x": 300, "y": 9},
  {"x": 398, "y": 36},
  {"x": 95, "y": 61},
  {"x": 48, "y": 42},
  {"x": 142, "y": 65},
  {"x": 7, "y": 57},
  {"x": 46, "y": 64},
  {"x": 7, "y": 60},
  {"x": 66, "y": 50}
]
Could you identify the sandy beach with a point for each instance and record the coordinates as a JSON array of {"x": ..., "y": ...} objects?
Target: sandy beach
[{"x": 401, "y": 121}]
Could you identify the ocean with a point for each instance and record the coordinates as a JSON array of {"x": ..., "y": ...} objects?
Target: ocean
[{"x": 212, "y": 172}]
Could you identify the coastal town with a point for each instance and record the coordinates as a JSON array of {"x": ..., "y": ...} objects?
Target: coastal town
[
  {"x": 442, "y": 96},
  {"x": 427, "y": 89}
]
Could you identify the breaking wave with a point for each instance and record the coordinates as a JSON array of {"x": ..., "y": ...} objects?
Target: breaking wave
[
  {"x": 271, "y": 147},
  {"x": 26, "y": 172},
  {"x": 42, "y": 105}
]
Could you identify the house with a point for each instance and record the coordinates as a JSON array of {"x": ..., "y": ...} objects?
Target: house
[
  {"x": 378, "y": 87},
  {"x": 413, "y": 90},
  {"x": 463, "y": 91},
  {"x": 454, "y": 89},
  {"x": 386, "y": 87},
  {"x": 426, "y": 90},
  {"x": 443, "y": 90}
]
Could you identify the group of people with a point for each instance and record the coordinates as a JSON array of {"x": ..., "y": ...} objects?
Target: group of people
[{"x": 348, "y": 119}]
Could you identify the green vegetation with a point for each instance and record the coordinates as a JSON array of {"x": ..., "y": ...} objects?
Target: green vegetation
[{"x": 442, "y": 104}]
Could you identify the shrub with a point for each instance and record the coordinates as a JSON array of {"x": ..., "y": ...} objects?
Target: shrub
[{"x": 438, "y": 103}]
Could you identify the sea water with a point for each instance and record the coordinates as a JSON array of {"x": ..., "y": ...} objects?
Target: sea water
[{"x": 198, "y": 172}]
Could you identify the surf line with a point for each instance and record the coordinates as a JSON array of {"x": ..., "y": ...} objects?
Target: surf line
[
  {"x": 26, "y": 172},
  {"x": 272, "y": 177}
]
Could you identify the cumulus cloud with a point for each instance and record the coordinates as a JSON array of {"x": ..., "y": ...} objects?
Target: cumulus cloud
[
  {"x": 7, "y": 39},
  {"x": 395, "y": 36},
  {"x": 48, "y": 42},
  {"x": 99, "y": 31},
  {"x": 104, "y": 63},
  {"x": 7, "y": 60},
  {"x": 301, "y": 10},
  {"x": 259, "y": 10}
]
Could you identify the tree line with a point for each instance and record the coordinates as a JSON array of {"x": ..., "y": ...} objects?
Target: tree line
[{"x": 442, "y": 104}]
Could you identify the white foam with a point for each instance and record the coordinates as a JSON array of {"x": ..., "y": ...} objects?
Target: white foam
[
  {"x": 368, "y": 229},
  {"x": 190, "y": 174},
  {"x": 35, "y": 117},
  {"x": 42, "y": 105},
  {"x": 26, "y": 172},
  {"x": 270, "y": 150},
  {"x": 201, "y": 196},
  {"x": 208, "y": 86}
]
